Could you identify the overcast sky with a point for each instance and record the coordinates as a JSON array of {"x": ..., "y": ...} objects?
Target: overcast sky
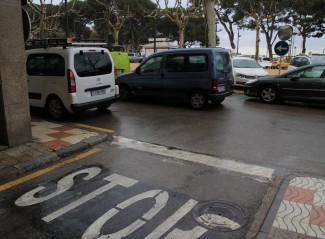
[{"x": 247, "y": 39}]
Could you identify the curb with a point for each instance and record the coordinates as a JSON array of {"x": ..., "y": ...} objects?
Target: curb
[{"x": 25, "y": 167}]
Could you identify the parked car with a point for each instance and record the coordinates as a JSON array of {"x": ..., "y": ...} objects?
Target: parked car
[
  {"x": 135, "y": 57},
  {"x": 120, "y": 58},
  {"x": 276, "y": 63},
  {"x": 303, "y": 60},
  {"x": 196, "y": 75},
  {"x": 245, "y": 68},
  {"x": 69, "y": 78},
  {"x": 265, "y": 62},
  {"x": 302, "y": 84}
]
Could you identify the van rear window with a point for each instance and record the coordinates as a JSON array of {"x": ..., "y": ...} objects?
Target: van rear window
[{"x": 92, "y": 64}]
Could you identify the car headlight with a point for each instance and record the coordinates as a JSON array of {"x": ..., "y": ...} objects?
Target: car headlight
[{"x": 251, "y": 81}]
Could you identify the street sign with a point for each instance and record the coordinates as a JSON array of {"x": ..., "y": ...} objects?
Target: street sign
[
  {"x": 281, "y": 48},
  {"x": 285, "y": 32}
]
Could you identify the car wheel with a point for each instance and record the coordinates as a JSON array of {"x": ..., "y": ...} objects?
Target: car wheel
[
  {"x": 269, "y": 94},
  {"x": 55, "y": 108},
  {"x": 218, "y": 101},
  {"x": 198, "y": 100},
  {"x": 103, "y": 107},
  {"x": 125, "y": 93}
]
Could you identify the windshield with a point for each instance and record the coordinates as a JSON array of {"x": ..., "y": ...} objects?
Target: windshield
[
  {"x": 92, "y": 64},
  {"x": 245, "y": 63}
]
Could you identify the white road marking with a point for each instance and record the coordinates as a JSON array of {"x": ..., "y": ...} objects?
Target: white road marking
[
  {"x": 172, "y": 220},
  {"x": 259, "y": 173},
  {"x": 114, "y": 180}
]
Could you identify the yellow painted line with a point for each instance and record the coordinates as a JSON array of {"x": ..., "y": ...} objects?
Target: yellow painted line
[
  {"x": 46, "y": 170},
  {"x": 93, "y": 127}
]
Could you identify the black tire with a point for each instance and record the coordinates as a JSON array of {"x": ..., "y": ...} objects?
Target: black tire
[
  {"x": 55, "y": 108},
  {"x": 125, "y": 93},
  {"x": 268, "y": 94},
  {"x": 198, "y": 100},
  {"x": 218, "y": 101},
  {"x": 103, "y": 107}
]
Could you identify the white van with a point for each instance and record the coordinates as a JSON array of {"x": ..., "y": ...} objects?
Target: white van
[{"x": 70, "y": 79}]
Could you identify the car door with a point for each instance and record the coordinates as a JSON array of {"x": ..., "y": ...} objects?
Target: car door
[
  {"x": 148, "y": 78},
  {"x": 35, "y": 66},
  {"x": 302, "y": 84}
]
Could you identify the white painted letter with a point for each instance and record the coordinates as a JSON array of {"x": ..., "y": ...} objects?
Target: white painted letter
[
  {"x": 63, "y": 185},
  {"x": 94, "y": 230},
  {"x": 113, "y": 179}
]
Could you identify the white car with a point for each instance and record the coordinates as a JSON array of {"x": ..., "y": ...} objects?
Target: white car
[
  {"x": 245, "y": 69},
  {"x": 303, "y": 60},
  {"x": 70, "y": 78},
  {"x": 265, "y": 62}
]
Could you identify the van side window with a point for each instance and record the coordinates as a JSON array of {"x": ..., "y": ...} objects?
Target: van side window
[
  {"x": 36, "y": 65},
  {"x": 54, "y": 65},
  {"x": 175, "y": 64},
  {"x": 152, "y": 65},
  {"x": 45, "y": 65},
  {"x": 197, "y": 63}
]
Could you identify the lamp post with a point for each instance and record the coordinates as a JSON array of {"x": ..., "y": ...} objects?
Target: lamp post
[
  {"x": 66, "y": 19},
  {"x": 238, "y": 39}
]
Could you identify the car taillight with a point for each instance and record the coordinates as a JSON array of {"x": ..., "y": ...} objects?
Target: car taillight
[
  {"x": 71, "y": 82},
  {"x": 214, "y": 84},
  {"x": 115, "y": 73}
]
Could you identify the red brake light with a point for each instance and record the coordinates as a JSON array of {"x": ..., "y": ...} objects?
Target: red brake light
[
  {"x": 71, "y": 82},
  {"x": 214, "y": 84},
  {"x": 115, "y": 73}
]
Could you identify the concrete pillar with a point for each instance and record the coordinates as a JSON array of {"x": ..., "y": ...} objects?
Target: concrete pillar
[{"x": 15, "y": 127}]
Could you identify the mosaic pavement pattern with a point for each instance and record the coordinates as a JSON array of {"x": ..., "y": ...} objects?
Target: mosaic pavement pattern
[
  {"x": 57, "y": 136},
  {"x": 302, "y": 209}
]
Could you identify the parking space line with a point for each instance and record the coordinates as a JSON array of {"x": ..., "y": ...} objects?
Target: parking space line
[
  {"x": 259, "y": 173},
  {"x": 46, "y": 170},
  {"x": 94, "y": 128}
]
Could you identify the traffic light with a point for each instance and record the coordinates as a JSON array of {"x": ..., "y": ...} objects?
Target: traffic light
[{"x": 26, "y": 20}]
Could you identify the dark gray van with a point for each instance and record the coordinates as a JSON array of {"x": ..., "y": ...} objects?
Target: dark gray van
[{"x": 197, "y": 75}]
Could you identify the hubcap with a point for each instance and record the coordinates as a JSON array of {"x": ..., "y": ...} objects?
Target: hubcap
[
  {"x": 197, "y": 100},
  {"x": 55, "y": 108},
  {"x": 268, "y": 94}
]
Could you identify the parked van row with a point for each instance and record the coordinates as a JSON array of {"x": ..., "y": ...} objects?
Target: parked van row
[{"x": 64, "y": 77}]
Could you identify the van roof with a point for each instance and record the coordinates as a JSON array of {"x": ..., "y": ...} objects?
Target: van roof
[{"x": 191, "y": 50}]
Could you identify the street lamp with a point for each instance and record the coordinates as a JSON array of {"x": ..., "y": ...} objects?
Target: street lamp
[
  {"x": 66, "y": 19},
  {"x": 238, "y": 39}
]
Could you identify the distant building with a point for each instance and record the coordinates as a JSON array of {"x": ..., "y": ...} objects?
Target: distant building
[{"x": 161, "y": 45}]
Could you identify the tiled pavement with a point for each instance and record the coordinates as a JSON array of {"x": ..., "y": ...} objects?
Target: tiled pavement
[
  {"x": 298, "y": 211},
  {"x": 57, "y": 136}
]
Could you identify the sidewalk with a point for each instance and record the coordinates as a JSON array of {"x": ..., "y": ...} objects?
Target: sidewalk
[
  {"x": 51, "y": 142},
  {"x": 296, "y": 212}
]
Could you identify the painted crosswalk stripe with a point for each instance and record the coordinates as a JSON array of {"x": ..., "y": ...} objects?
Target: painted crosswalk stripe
[{"x": 259, "y": 173}]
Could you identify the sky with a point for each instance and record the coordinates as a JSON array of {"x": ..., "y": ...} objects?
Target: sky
[{"x": 247, "y": 39}]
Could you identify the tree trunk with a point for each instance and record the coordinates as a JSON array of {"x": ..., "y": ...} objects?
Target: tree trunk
[
  {"x": 210, "y": 22},
  {"x": 303, "y": 43},
  {"x": 181, "y": 37},
  {"x": 115, "y": 35},
  {"x": 257, "y": 45}
]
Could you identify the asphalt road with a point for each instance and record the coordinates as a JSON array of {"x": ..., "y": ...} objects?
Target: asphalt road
[{"x": 171, "y": 172}]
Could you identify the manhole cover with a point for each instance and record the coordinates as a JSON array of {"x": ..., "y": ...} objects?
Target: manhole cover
[{"x": 219, "y": 215}]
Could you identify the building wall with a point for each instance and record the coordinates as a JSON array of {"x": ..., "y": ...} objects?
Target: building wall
[{"x": 15, "y": 125}]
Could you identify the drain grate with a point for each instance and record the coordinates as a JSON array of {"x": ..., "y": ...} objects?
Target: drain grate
[{"x": 219, "y": 215}]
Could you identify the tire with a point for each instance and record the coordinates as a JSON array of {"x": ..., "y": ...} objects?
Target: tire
[
  {"x": 268, "y": 94},
  {"x": 125, "y": 93},
  {"x": 198, "y": 100},
  {"x": 55, "y": 108},
  {"x": 103, "y": 107},
  {"x": 218, "y": 101}
]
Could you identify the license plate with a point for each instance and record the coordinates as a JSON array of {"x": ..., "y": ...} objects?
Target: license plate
[
  {"x": 97, "y": 92},
  {"x": 221, "y": 88}
]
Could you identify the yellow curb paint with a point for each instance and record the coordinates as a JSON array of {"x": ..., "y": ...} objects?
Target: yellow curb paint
[
  {"x": 93, "y": 127},
  {"x": 46, "y": 170}
]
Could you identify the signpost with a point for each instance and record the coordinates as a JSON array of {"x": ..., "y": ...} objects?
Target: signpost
[{"x": 282, "y": 47}]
